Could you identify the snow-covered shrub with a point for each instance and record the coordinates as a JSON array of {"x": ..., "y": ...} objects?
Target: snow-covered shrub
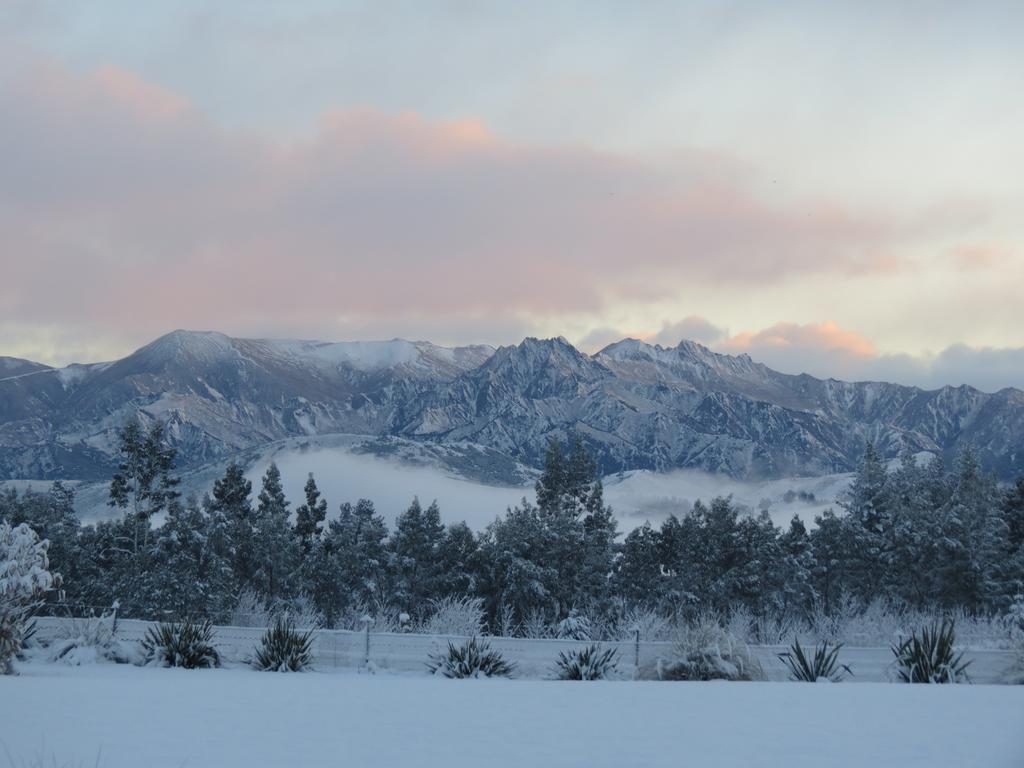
[
  {"x": 535, "y": 625},
  {"x": 284, "y": 648},
  {"x": 1014, "y": 622},
  {"x": 652, "y": 625},
  {"x": 739, "y": 622},
  {"x": 250, "y": 611},
  {"x": 706, "y": 651},
  {"x": 474, "y": 658},
  {"x": 380, "y": 616},
  {"x": 774, "y": 628},
  {"x": 574, "y": 627},
  {"x": 589, "y": 663},
  {"x": 505, "y": 624},
  {"x": 300, "y": 612},
  {"x": 92, "y": 639},
  {"x": 823, "y": 665},
  {"x": 929, "y": 656},
  {"x": 455, "y": 616},
  {"x": 834, "y": 624},
  {"x": 24, "y": 579},
  {"x": 185, "y": 644}
]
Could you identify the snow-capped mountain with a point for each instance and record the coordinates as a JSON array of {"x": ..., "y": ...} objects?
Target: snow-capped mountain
[{"x": 638, "y": 406}]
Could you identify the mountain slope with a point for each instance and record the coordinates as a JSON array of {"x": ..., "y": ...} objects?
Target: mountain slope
[{"x": 638, "y": 406}]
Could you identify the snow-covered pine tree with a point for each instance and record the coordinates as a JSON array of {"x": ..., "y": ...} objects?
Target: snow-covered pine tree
[
  {"x": 231, "y": 501},
  {"x": 276, "y": 546},
  {"x": 143, "y": 484},
  {"x": 309, "y": 517},
  {"x": 414, "y": 547},
  {"x": 194, "y": 579},
  {"x": 458, "y": 562},
  {"x": 638, "y": 572}
]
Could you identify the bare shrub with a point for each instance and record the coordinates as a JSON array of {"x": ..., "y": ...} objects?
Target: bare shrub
[{"x": 455, "y": 616}]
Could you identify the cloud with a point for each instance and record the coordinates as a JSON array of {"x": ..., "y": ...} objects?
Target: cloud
[
  {"x": 826, "y": 350},
  {"x": 825, "y": 337},
  {"x": 692, "y": 328},
  {"x": 123, "y": 207}
]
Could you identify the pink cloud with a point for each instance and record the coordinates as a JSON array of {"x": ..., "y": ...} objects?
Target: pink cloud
[
  {"x": 826, "y": 337},
  {"x": 827, "y": 350},
  {"x": 123, "y": 206}
]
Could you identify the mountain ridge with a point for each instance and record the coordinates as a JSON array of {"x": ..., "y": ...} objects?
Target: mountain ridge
[{"x": 637, "y": 405}]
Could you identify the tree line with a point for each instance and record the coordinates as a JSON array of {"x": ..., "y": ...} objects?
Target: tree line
[{"x": 921, "y": 535}]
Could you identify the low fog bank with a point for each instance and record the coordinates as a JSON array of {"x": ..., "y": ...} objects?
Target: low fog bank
[{"x": 344, "y": 475}]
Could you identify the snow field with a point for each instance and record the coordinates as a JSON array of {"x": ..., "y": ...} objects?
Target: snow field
[{"x": 130, "y": 717}]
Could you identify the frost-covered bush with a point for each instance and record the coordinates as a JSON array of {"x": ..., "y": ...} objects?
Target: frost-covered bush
[
  {"x": 250, "y": 611},
  {"x": 589, "y": 663},
  {"x": 774, "y": 628},
  {"x": 380, "y": 616},
  {"x": 24, "y": 578},
  {"x": 455, "y": 616},
  {"x": 929, "y": 656},
  {"x": 536, "y": 625},
  {"x": 474, "y": 658},
  {"x": 92, "y": 639},
  {"x": 835, "y": 623},
  {"x": 823, "y": 665},
  {"x": 653, "y": 626},
  {"x": 575, "y": 626},
  {"x": 284, "y": 648},
  {"x": 706, "y": 651},
  {"x": 505, "y": 624},
  {"x": 185, "y": 644},
  {"x": 300, "y": 611}
]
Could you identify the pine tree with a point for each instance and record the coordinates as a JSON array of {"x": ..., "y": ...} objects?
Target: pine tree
[
  {"x": 310, "y": 516},
  {"x": 414, "y": 548},
  {"x": 194, "y": 579},
  {"x": 231, "y": 502},
  {"x": 458, "y": 562},
  {"x": 276, "y": 546},
  {"x": 638, "y": 572},
  {"x": 869, "y": 519},
  {"x": 351, "y": 563},
  {"x": 143, "y": 484}
]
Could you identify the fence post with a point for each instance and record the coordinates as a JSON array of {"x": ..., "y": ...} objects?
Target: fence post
[
  {"x": 367, "y": 621},
  {"x": 636, "y": 651}
]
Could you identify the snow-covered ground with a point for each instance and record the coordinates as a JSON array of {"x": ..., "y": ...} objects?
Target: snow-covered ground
[{"x": 127, "y": 717}]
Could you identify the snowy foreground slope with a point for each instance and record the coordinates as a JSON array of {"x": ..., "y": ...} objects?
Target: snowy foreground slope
[{"x": 121, "y": 717}]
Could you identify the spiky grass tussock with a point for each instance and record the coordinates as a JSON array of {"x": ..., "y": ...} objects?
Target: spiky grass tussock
[
  {"x": 474, "y": 658},
  {"x": 284, "y": 649},
  {"x": 929, "y": 656},
  {"x": 823, "y": 665},
  {"x": 186, "y": 644},
  {"x": 706, "y": 651},
  {"x": 589, "y": 663}
]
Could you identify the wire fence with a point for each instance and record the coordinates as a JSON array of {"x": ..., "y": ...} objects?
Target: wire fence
[{"x": 535, "y": 658}]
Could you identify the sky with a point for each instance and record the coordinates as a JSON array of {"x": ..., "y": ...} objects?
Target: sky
[{"x": 832, "y": 188}]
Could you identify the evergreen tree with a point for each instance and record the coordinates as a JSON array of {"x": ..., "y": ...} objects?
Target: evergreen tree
[
  {"x": 638, "y": 572},
  {"x": 310, "y": 516},
  {"x": 276, "y": 546},
  {"x": 351, "y": 563},
  {"x": 1013, "y": 514},
  {"x": 231, "y": 503},
  {"x": 143, "y": 484},
  {"x": 415, "y": 546},
  {"x": 833, "y": 554},
  {"x": 458, "y": 562},
  {"x": 194, "y": 580}
]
